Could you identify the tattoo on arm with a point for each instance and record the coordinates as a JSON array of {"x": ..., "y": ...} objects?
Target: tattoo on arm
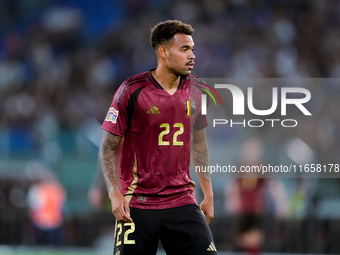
[
  {"x": 107, "y": 159},
  {"x": 201, "y": 158}
]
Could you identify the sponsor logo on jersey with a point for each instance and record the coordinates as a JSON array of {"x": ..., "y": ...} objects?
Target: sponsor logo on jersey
[
  {"x": 112, "y": 115},
  {"x": 154, "y": 109}
]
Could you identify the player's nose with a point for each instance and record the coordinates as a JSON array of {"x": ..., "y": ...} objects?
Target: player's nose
[{"x": 191, "y": 55}]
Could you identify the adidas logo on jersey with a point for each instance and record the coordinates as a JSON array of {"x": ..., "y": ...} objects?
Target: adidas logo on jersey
[
  {"x": 154, "y": 109},
  {"x": 211, "y": 247}
]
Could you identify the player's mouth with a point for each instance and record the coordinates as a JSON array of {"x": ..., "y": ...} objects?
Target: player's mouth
[{"x": 190, "y": 64}]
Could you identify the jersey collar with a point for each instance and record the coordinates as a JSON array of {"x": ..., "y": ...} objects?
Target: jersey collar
[{"x": 158, "y": 86}]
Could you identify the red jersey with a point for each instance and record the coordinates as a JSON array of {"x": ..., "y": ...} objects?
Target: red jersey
[{"x": 157, "y": 129}]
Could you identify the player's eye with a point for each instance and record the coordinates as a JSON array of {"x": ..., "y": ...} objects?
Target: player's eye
[{"x": 184, "y": 50}]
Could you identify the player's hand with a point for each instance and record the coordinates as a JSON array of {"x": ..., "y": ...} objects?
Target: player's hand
[
  {"x": 120, "y": 206},
  {"x": 207, "y": 207}
]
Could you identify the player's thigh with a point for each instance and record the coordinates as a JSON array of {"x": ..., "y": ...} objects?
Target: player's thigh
[
  {"x": 184, "y": 231},
  {"x": 139, "y": 237}
]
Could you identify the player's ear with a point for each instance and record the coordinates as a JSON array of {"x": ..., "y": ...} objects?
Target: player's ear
[{"x": 163, "y": 51}]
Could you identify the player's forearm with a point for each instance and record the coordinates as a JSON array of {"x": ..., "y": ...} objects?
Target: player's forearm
[
  {"x": 201, "y": 159},
  {"x": 107, "y": 160},
  {"x": 206, "y": 188}
]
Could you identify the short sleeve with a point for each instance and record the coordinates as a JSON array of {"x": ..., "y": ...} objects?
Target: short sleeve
[
  {"x": 201, "y": 122},
  {"x": 116, "y": 120}
]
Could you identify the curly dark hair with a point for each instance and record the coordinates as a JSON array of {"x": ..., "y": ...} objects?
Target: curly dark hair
[{"x": 164, "y": 32}]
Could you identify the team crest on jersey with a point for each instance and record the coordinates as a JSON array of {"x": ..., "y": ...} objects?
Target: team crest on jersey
[
  {"x": 112, "y": 115},
  {"x": 190, "y": 108}
]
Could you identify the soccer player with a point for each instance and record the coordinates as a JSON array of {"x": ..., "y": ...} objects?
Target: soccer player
[{"x": 158, "y": 114}]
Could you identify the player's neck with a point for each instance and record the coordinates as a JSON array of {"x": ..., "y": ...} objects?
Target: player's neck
[{"x": 167, "y": 80}]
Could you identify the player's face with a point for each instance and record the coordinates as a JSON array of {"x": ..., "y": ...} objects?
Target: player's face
[{"x": 181, "y": 56}]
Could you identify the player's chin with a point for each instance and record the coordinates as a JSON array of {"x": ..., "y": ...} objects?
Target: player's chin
[{"x": 187, "y": 72}]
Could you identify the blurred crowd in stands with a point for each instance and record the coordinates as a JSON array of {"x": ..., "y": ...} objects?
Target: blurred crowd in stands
[
  {"x": 61, "y": 61},
  {"x": 52, "y": 74}
]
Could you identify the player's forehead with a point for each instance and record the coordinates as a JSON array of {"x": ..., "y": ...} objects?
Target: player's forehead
[{"x": 183, "y": 40}]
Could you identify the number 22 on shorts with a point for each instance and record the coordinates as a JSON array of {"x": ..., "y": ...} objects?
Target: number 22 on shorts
[{"x": 126, "y": 239}]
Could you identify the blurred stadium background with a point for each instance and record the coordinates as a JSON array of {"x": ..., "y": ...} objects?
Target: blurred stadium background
[{"x": 62, "y": 60}]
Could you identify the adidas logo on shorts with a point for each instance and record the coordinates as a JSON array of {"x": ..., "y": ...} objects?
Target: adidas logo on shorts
[{"x": 211, "y": 247}]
